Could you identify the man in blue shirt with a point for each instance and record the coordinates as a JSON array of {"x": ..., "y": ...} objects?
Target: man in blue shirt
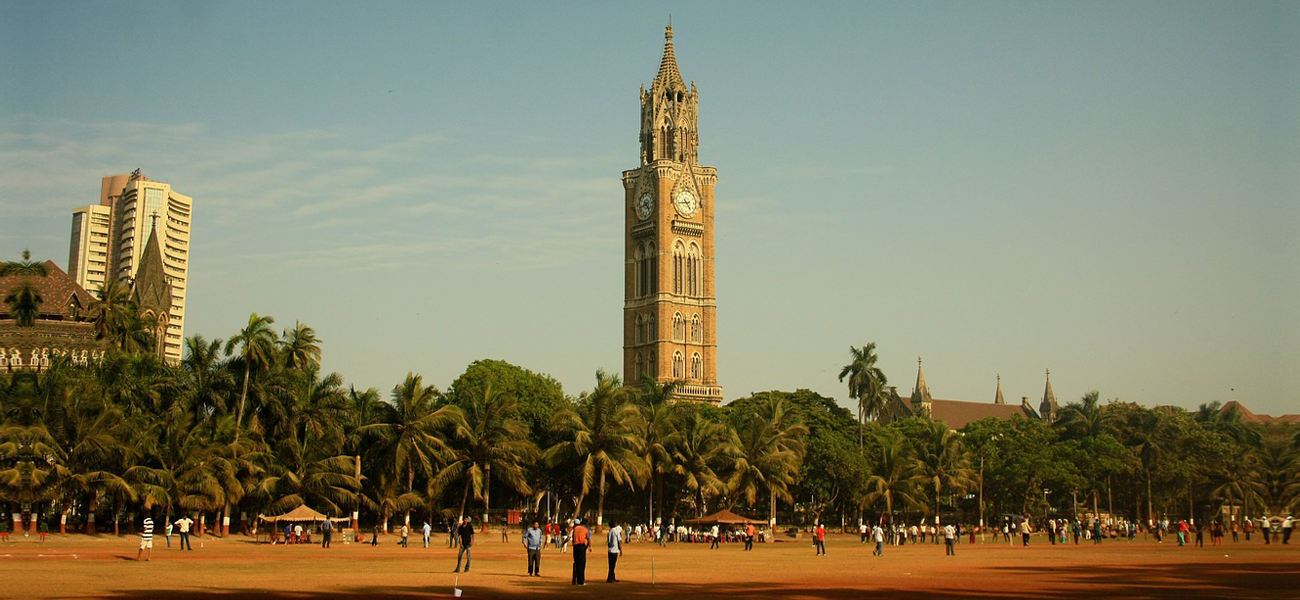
[
  {"x": 533, "y": 543},
  {"x": 615, "y": 542}
]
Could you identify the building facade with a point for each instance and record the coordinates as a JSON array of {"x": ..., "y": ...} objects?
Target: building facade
[
  {"x": 109, "y": 240},
  {"x": 669, "y": 301}
]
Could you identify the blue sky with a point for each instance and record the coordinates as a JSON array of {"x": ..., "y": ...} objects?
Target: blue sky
[{"x": 1106, "y": 189}]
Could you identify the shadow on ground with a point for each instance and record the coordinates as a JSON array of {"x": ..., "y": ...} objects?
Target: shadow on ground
[{"x": 1195, "y": 580}]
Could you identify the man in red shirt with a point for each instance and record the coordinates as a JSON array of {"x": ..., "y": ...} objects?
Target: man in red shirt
[
  {"x": 819, "y": 539},
  {"x": 581, "y": 544},
  {"x": 749, "y": 536}
]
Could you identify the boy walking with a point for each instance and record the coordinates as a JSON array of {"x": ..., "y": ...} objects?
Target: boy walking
[{"x": 146, "y": 540}]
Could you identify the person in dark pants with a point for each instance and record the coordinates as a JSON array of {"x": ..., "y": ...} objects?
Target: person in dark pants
[
  {"x": 533, "y": 544},
  {"x": 465, "y": 533},
  {"x": 374, "y": 538},
  {"x": 615, "y": 542},
  {"x": 581, "y": 539},
  {"x": 819, "y": 539},
  {"x": 183, "y": 524},
  {"x": 326, "y": 528}
]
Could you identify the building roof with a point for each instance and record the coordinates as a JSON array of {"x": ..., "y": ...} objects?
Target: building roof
[
  {"x": 1250, "y": 417},
  {"x": 958, "y": 413},
  {"x": 57, "y": 288}
]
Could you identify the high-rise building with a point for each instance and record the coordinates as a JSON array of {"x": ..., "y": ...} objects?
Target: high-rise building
[
  {"x": 109, "y": 239},
  {"x": 669, "y": 306}
]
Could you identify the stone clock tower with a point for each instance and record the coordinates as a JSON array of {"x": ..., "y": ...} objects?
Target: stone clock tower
[{"x": 669, "y": 306}]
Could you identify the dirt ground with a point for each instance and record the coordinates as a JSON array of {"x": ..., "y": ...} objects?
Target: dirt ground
[{"x": 77, "y": 566}]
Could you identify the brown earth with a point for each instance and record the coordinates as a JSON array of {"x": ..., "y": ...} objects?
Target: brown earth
[{"x": 78, "y": 566}]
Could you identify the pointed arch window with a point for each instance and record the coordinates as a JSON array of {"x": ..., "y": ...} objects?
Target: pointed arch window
[
  {"x": 697, "y": 366},
  {"x": 697, "y": 329},
  {"x": 679, "y": 328},
  {"x": 638, "y": 368},
  {"x": 679, "y": 365},
  {"x": 694, "y": 272},
  {"x": 679, "y": 266},
  {"x": 651, "y": 329}
]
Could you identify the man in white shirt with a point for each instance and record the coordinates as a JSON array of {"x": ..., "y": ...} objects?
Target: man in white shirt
[
  {"x": 183, "y": 525},
  {"x": 949, "y": 537},
  {"x": 713, "y": 533},
  {"x": 878, "y": 534},
  {"x": 615, "y": 542}
]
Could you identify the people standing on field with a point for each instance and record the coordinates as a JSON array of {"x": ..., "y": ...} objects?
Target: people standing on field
[
  {"x": 146, "y": 539},
  {"x": 949, "y": 540},
  {"x": 533, "y": 541},
  {"x": 465, "y": 537},
  {"x": 183, "y": 524},
  {"x": 581, "y": 539},
  {"x": 819, "y": 539},
  {"x": 878, "y": 535}
]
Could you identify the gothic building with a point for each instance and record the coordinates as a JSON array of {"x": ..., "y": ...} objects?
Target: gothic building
[
  {"x": 669, "y": 302},
  {"x": 958, "y": 413}
]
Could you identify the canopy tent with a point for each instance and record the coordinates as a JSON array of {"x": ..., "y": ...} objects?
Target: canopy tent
[
  {"x": 303, "y": 514},
  {"x": 723, "y": 517}
]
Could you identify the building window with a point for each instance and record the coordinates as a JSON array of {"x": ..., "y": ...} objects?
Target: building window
[
  {"x": 651, "y": 328},
  {"x": 679, "y": 365},
  {"x": 697, "y": 330},
  {"x": 679, "y": 327},
  {"x": 697, "y": 366},
  {"x": 679, "y": 259},
  {"x": 637, "y": 367},
  {"x": 693, "y": 271},
  {"x": 647, "y": 270}
]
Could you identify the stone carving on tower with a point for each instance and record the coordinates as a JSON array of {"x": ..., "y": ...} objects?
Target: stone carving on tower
[{"x": 669, "y": 301}]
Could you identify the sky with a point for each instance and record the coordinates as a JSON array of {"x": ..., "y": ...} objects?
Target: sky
[{"x": 1109, "y": 190}]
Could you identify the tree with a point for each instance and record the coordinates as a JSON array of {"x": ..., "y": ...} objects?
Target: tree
[
  {"x": 771, "y": 450},
  {"x": 255, "y": 342},
  {"x": 486, "y": 438},
  {"x": 704, "y": 447},
  {"x": 660, "y": 431},
  {"x": 602, "y": 434},
  {"x": 895, "y": 477},
  {"x": 300, "y": 347},
  {"x": 867, "y": 383},
  {"x": 24, "y": 301},
  {"x": 205, "y": 381},
  {"x": 408, "y": 436},
  {"x": 941, "y": 460}
]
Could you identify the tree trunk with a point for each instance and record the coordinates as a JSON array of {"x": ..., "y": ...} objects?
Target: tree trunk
[
  {"x": 600, "y": 503},
  {"x": 487, "y": 491},
  {"x": 1095, "y": 514},
  {"x": 243, "y": 394},
  {"x": 771, "y": 511},
  {"x": 1150, "y": 511},
  {"x": 465, "y": 496},
  {"x": 356, "y": 512}
]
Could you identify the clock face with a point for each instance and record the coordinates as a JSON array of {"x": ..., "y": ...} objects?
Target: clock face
[
  {"x": 685, "y": 202},
  {"x": 644, "y": 206}
]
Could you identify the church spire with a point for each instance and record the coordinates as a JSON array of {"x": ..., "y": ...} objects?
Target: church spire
[
  {"x": 669, "y": 77},
  {"x": 998, "y": 399},
  {"x": 1048, "y": 408},
  {"x": 920, "y": 393}
]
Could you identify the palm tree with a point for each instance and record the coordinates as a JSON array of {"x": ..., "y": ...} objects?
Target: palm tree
[
  {"x": 113, "y": 313},
  {"x": 702, "y": 448},
  {"x": 895, "y": 477},
  {"x": 603, "y": 436},
  {"x": 941, "y": 460},
  {"x": 301, "y": 347},
  {"x": 364, "y": 408},
  {"x": 659, "y": 430},
  {"x": 867, "y": 383},
  {"x": 408, "y": 435},
  {"x": 255, "y": 342},
  {"x": 205, "y": 381},
  {"x": 486, "y": 438},
  {"x": 771, "y": 452}
]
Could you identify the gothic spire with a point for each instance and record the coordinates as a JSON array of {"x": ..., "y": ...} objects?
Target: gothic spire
[
  {"x": 1048, "y": 408},
  {"x": 999, "y": 399},
  {"x": 920, "y": 393},
  {"x": 669, "y": 77}
]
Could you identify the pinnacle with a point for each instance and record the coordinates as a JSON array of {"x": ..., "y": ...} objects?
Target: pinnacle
[{"x": 669, "y": 76}]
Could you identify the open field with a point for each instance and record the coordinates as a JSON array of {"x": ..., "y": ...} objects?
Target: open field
[{"x": 101, "y": 567}]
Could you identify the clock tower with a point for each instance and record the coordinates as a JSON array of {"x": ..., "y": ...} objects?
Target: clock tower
[{"x": 669, "y": 303}]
